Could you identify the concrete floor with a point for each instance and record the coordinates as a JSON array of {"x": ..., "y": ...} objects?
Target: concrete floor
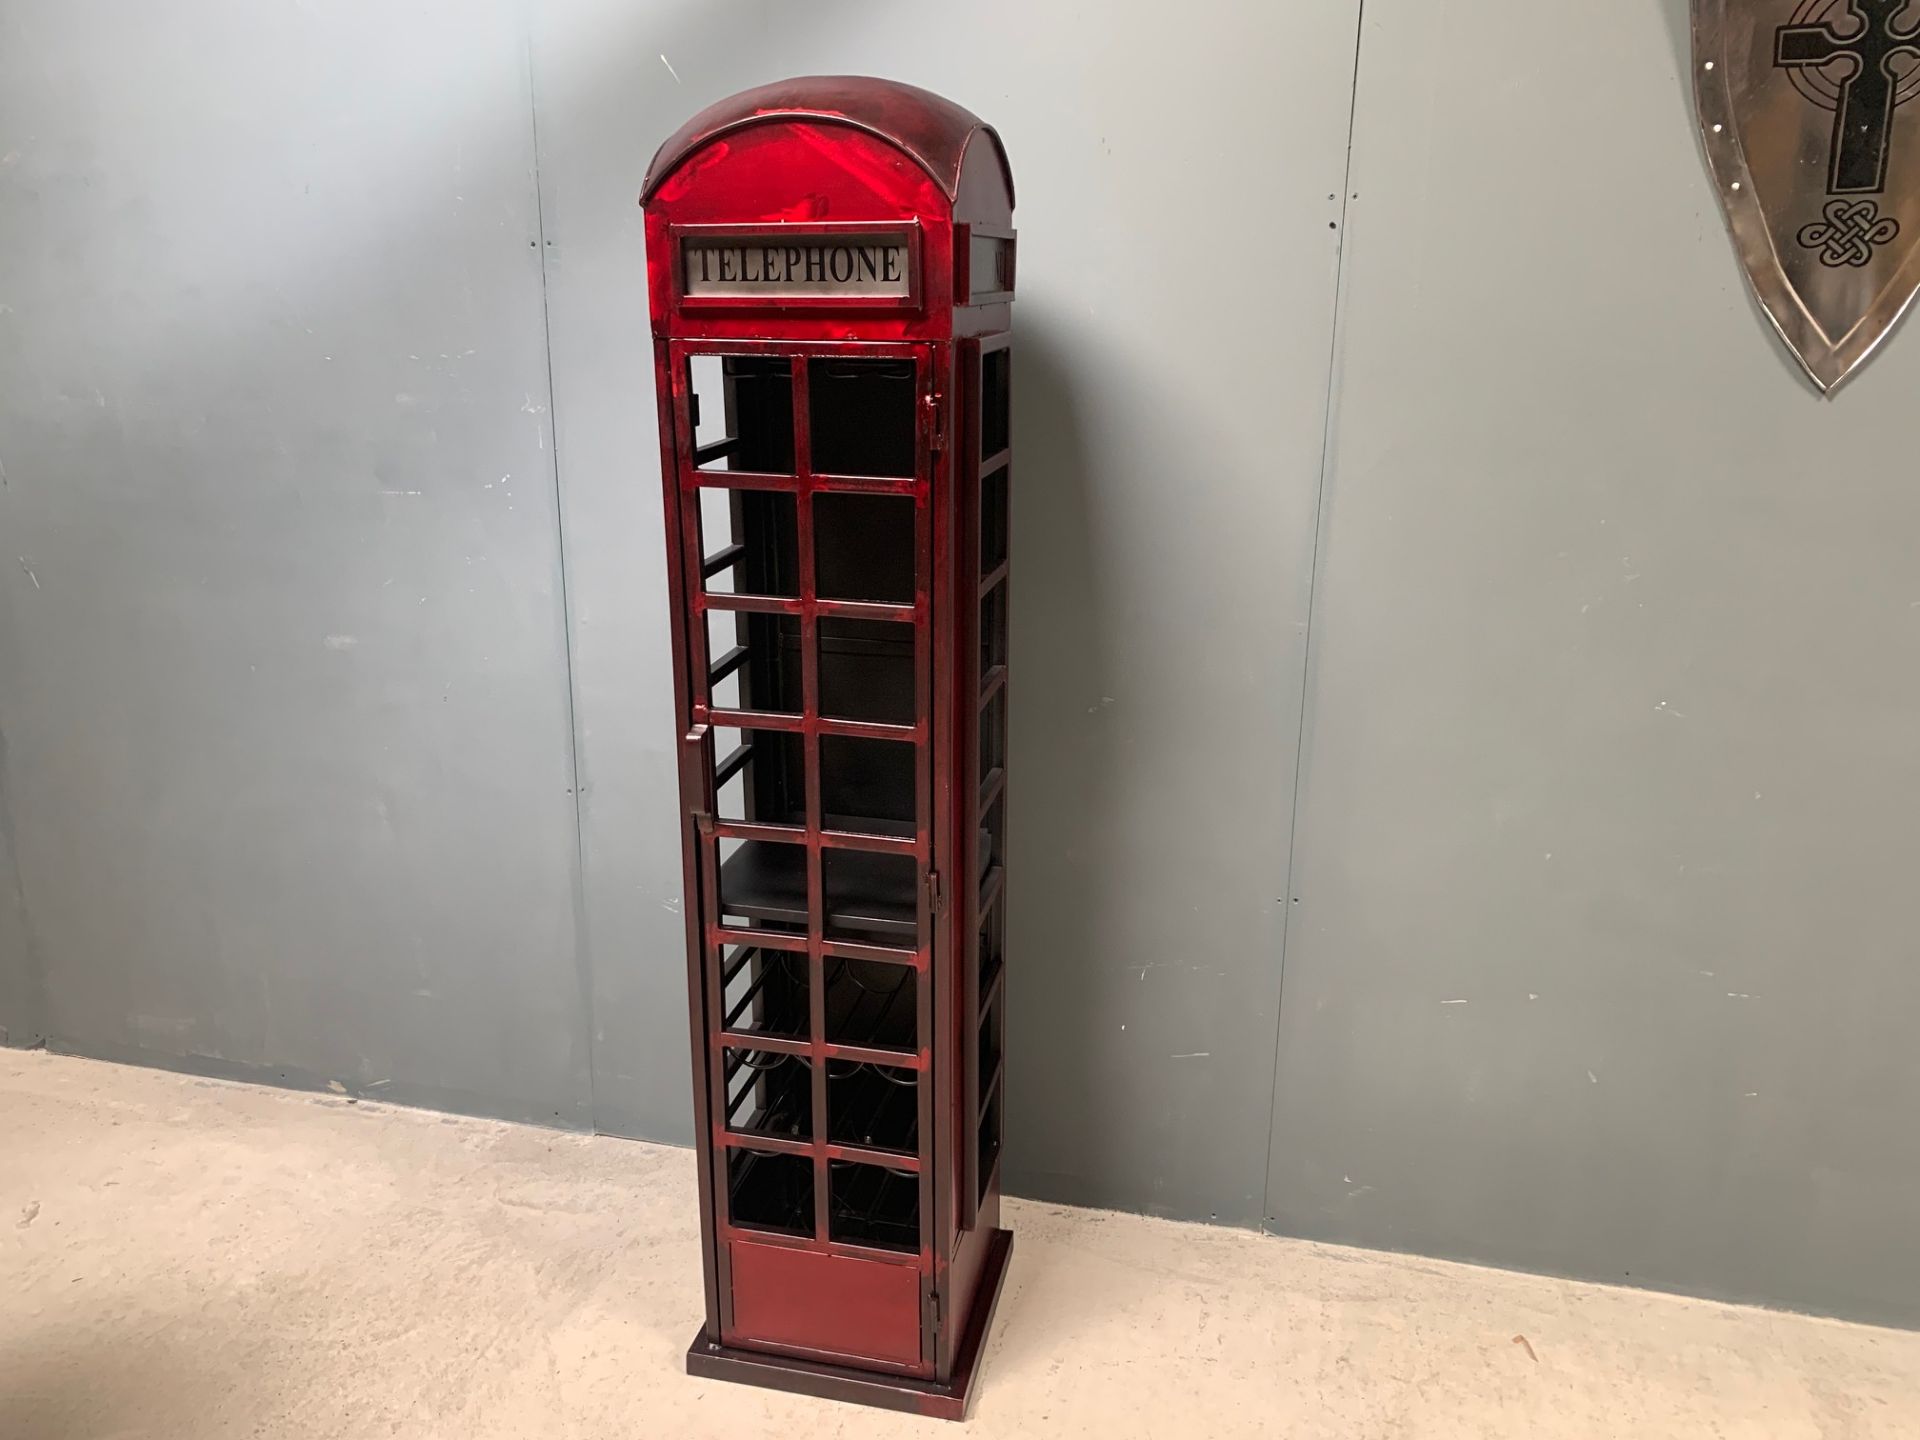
[{"x": 186, "y": 1258}]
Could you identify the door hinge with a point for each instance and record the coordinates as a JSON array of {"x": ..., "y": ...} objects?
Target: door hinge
[
  {"x": 936, "y": 421},
  {"x": 936, "y": 894},
  {"x": 936, "y": 1312}
]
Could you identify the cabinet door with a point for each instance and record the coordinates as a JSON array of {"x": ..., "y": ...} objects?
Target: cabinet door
[{"x": 806, "y": 511}]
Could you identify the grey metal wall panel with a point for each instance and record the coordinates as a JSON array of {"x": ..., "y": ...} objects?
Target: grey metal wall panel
[
  {"x": 1603, "y": 959},
  {"x": 282, "y": 661},
  {"x": 1170, "y": 421}
]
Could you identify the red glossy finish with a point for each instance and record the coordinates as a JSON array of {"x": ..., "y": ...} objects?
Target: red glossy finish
[
  {"x": 842, "y": 1258},
  {"x": 831, "y": 1306}
]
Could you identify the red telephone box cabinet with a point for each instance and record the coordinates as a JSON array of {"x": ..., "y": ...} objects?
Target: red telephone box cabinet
[{"x": 831, "y": 272}]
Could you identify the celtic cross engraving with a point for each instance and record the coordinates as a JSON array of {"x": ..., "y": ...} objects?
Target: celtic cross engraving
[{"x": 1863, "y": 119}]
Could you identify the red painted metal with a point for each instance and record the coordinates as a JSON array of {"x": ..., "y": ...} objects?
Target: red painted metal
[{"x": 847, "y": 1128}]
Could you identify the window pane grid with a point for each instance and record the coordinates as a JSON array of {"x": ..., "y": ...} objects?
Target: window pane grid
[{"x": 835, "y": 1162}]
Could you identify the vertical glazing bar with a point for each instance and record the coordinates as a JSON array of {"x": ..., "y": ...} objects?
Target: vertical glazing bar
[
  {"x": 688, "y": 655},
  {"x": 966, "y": 486},
  {"x": 925, "y": 496},
  {"x": 810, "y": 745},
  {"x": 1001, "y": 846}
]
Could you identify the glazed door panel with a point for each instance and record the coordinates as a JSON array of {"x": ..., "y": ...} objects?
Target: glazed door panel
[{"x": 805, "y": 486}]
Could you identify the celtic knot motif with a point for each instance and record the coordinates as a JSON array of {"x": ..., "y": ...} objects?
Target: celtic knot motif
[{"x": 1849, "y": 233}]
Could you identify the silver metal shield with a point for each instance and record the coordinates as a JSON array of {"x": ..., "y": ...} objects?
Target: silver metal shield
[{"x": 1806, "y": 109}]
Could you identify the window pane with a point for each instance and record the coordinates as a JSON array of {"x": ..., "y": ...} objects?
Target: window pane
[
  {"x": 996, "y": 401},
  {"x": 866, "y": 670},
  {"x": 863, "y": 547},
  {"x": 749, "y": 542},
  {"x": 770, "y": 1192},
  {"x": 742, "y": 407},
  {"x": 862, "y": 416},
  {"x": 868, "y": 786}
]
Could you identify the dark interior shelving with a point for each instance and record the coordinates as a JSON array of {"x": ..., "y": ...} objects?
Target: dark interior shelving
[
  {"x": 770, "y": 1192},
  {"x": 871, "y": 897},
  {"x": 877, "y": 1106},
  {"x": 873, "y": 1004},
  {"x": 769, "y": 1094},
  {"x": 868, "y": 896},
  {"x": 872, "y": 1205}
]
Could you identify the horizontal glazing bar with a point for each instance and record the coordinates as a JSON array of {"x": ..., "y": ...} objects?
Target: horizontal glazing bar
[
  {"x": 789, "y": 605},
  {"x": 897, "y": 1059},
  {"x": 717, "y": 450},
  {"x": 770, "y": 1044},
  {"x": 768, "y": 1144},
  {"x": 885, "y": 1159},
  {"x": 868, "y": 730},
  {"x": 784, "y": 1239},
  {"x": 736, "y": 480},
  {"x": 991, "y": 682},
  {"x": 994, "y": 461},
  {"x": 727, "y": 664},
  {"x": 909, "y": 1259},
  {"x": 750, "y": 719},
  {"x": 888, "y": 954},
  {"x": 787, "y": 940},
  {"x": 994, "y": 576},
  {"x": 914, "y": 1259},
  {"x": 867, "y": 610},
  {"x": 866, "y": 485},
  {"x": 878, "y": 844},
  {"x": 752, "y": 604},
  {"x": 775, "y": 720},
  {"x": 751, "y": 830},
  {"x": 743, "y": 1040}
]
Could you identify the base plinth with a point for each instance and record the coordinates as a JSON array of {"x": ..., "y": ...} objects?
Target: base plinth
[{"x": 947, "y": 1401}]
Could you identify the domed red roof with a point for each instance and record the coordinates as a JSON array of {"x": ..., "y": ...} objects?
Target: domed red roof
[{"x": 934, "y": 131}]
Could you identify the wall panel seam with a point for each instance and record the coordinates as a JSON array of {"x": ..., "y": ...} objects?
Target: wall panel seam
[
  {"x": 1287, "y": 897},
  {"x": 582, "y": 952}
]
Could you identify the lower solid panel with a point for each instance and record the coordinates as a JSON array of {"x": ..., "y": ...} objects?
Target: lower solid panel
[{"x": 862, "y": 1309}]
